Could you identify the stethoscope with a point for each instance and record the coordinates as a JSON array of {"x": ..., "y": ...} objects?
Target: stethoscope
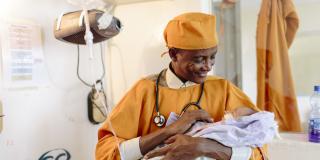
[{"x": 159, "y": 119}]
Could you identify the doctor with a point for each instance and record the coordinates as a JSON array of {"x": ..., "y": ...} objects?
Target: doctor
[{"x": 139, "y": 118}]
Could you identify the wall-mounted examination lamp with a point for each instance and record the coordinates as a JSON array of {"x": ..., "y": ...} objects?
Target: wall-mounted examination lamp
[{"x": 86, "y": 27}]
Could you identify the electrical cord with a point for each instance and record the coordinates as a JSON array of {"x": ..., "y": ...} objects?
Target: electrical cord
[
  {"x": 93, "y": 85},
  {"x": 78, "y": 64}
]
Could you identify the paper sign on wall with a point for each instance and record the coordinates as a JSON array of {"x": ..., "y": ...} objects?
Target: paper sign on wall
[{"x": 22, "y": 55}]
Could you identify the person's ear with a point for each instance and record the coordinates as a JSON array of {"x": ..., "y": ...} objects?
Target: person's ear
[{"x": 173, "y": 54}]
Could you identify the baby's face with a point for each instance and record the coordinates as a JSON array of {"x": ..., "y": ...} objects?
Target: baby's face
[{"x": 239, "y": 112}]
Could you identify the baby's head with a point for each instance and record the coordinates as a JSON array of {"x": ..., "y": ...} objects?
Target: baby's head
[{"x": 238, "y": 112}]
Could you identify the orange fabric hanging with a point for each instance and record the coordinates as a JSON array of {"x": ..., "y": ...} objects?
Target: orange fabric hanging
[{"x": 277, "y": 25}]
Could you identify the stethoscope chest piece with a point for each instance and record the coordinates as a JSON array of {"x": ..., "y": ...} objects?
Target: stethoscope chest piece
[{"x": 159, "y": 120}]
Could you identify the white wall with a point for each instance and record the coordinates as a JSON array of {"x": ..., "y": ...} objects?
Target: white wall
[
  {"x": 45, "y": 118},
  {"x": 38, "y": 120},
  {"x": 305, "y": 51},
  {"x": 249, "y": 12},
  {"x": 249, "y": 17}
]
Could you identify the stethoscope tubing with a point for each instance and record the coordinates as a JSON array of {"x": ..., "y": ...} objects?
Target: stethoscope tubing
[{"x": 197, "y": 104}]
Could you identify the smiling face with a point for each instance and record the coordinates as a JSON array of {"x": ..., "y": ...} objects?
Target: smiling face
[{"x": 192, "y": 65}]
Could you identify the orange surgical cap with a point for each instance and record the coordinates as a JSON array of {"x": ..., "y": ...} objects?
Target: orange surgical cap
[{"x": 191, "y": 31}]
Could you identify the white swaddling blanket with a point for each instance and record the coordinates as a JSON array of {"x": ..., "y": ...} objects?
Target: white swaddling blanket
[{"x": 252, "y": 131}]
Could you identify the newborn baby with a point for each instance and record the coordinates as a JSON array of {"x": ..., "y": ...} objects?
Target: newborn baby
[{"x": 241, "y": 127}]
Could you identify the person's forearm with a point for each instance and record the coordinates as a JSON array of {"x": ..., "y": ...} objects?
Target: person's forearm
[
  {"x": 215, "y": 150},
  {"x": 152, "y": 140}
]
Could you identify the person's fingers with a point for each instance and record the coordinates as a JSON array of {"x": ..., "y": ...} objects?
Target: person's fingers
[
  {"x": 158, "y": 152},
  {"x": 174, "y": 155},
  {"x": 188, "y": 119},
  {"x": 200, "y": 115},
  {"x": 171, "y": 139},
  {"x": 168, "y": 156},
  {"x": 206, "y": 116}
]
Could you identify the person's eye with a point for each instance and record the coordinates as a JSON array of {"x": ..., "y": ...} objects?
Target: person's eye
[{"x": 198, "y": 60}]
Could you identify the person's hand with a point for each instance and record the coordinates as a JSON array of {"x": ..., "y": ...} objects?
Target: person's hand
[
  {"x": 150, "y": 141},
  {"x": 183, "y": 147},
  {"x": 179, "y": 147},
  {"x": 187, "y": 120}
]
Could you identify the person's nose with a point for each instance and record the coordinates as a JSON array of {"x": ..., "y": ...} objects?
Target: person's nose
[{"x": 208, "y": 65}]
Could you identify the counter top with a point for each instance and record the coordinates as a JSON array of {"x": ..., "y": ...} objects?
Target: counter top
[{"x": 293, "y": 146}]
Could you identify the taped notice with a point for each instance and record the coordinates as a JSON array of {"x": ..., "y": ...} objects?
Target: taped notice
[{"x": 22, "y": 56}]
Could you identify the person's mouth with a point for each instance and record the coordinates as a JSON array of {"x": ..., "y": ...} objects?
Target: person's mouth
[{"x": 202, "y": 74}]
